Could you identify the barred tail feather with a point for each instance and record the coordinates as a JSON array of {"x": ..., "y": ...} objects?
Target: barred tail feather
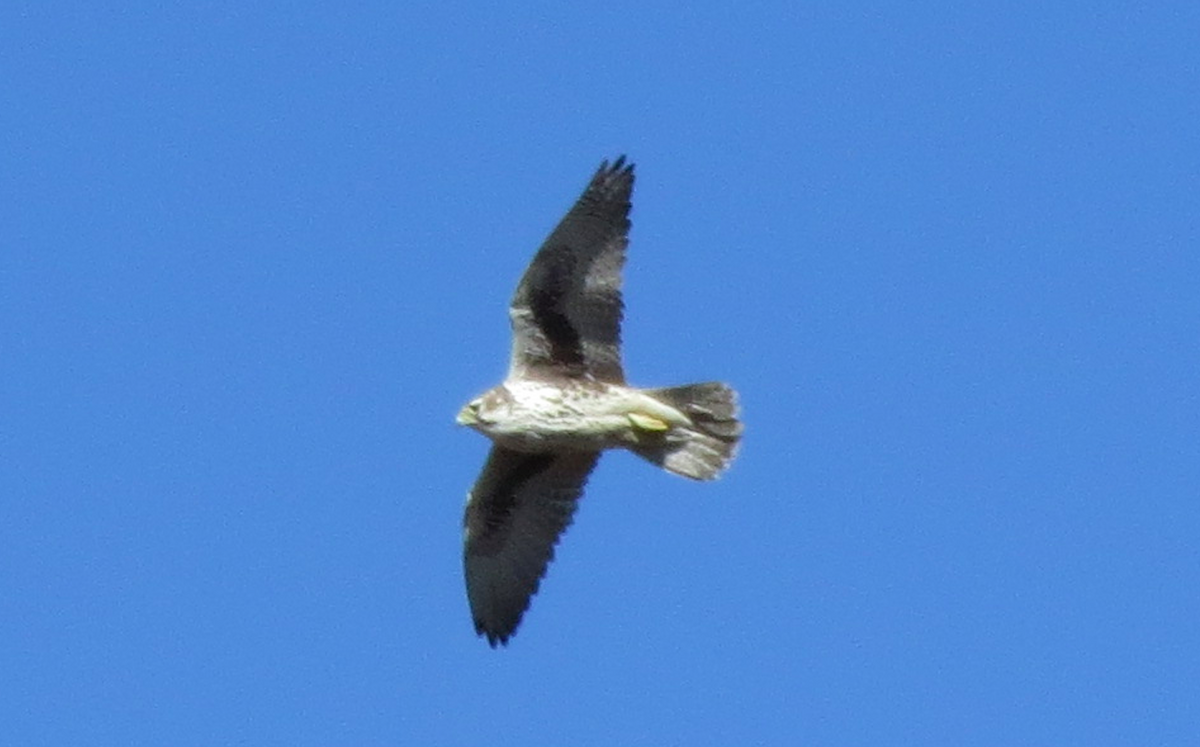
[{"x": 703, "y": 449}]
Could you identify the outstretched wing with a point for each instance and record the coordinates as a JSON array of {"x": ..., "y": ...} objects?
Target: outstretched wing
[
  {"x": 515, "y": 514},
  {"x": 566, "y": 312}
]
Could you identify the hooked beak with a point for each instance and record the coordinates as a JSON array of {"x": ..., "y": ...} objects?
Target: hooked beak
[{"x": 466, "y": 416}]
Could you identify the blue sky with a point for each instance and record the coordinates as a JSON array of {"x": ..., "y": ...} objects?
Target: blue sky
[{"x": 253, "y": 260}]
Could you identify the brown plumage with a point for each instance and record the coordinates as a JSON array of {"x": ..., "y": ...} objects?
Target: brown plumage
[{"x": 564, "y": 401}]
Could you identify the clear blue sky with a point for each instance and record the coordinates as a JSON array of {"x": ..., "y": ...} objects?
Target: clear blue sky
[{"x": 254, "y": 257}]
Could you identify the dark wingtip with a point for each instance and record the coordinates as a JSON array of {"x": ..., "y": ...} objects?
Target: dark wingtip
[
  {"x": 618, "y": 166},
  {"x": 495, "y": 638},
  {"x": 618, "y": 175}
]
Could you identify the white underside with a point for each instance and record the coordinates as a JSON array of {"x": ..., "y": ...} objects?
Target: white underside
[{"x": 549, "y": 417}]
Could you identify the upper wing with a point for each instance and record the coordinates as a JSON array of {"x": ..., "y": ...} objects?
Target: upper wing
[
  {"x": 566, "y": 312},
  {"x": 515, "y": 514}
]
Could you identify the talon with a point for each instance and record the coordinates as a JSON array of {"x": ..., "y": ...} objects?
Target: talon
[{"x": 647, "y": 423}]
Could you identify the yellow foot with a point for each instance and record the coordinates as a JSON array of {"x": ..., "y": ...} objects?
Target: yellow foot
[{"x": 647, "y": 423}]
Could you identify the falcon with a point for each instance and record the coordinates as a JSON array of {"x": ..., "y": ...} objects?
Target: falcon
[{"x": 565, "y": 401}]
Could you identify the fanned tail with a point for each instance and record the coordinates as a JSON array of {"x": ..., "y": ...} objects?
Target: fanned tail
[{"x": 705, "y": 447}]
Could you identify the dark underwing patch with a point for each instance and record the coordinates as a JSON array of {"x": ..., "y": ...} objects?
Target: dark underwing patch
[
  {"x": 503, "y": 498},
  {"x": 547, "y": 301}
]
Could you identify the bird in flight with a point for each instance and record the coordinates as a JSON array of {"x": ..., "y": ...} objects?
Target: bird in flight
[{"x": 564, "y": 401}]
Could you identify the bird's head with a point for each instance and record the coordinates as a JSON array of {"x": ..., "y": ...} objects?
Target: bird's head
[{"x": 484, "y": 411}]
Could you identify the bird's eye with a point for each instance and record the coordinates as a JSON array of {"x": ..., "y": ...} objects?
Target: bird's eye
[{"x": 476, "y": 405}]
